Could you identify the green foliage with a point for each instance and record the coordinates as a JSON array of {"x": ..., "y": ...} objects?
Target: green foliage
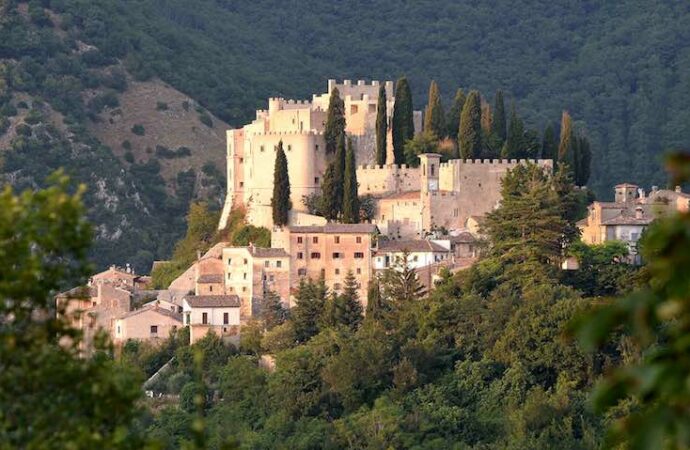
[
  {"x": 350, "y": 197},
  {"x": 425, "y": 142},
  {"x": 273, "y": 313},
  {"x": 381, "y": 127},
  {"x": 334, "y": 127},
  {"x": 434, "y": 115},
  {"x": 138, "y": 129},
  {"x": 161, "y": 106},
  {"x": 470, "y": 131},
  {"x": 656, "y": 318},
  {"x": 549, "y": 146},
  {"x": 309, "y": 304},
  {"x": 327, "y": 205},
  {"x": 280, "y": 201},
  {"x": 403, "y": 122},
  {"x": 454, "y": 113},
  {"x": 339, "y": 162},
  {"x": 43, "y": 246},
  {"x": 206, "y": 119},
  {"x": 498, "y": 124}
]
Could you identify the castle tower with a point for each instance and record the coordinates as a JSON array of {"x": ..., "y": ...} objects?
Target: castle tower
[
  {"x": 430, "y": 164},
  {"x": 625, "y": 193}
]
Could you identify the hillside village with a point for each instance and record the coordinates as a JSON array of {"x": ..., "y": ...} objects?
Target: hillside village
[{"x": 426, "y": 218}]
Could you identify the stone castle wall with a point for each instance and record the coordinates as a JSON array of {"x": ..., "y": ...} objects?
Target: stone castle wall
[{"x": 381, "y": 180}]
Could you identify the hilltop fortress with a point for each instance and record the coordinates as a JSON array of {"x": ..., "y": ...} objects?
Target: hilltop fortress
[{"x": 410, "y": 202}]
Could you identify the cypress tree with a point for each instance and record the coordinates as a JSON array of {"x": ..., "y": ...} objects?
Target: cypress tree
[
  {"x": 381, "y": 127},
  {"x": 434, "y": 117},
  {"x": 470, "y": 134},
  {"x": 339, "y": 174},
  {"x": 350, "y": 198},
  {"x": 487, "y": 118},
  {"x": 566, "y": 147},
  {"x": 514, "y": 141},
  {"x": 376, "y": 307},
  {"x": 498, "y": 125},
  {"x": 549, "y": 145},
  {"x": 328, "y": 202},
  {"x": 454, "y": 114},
  {"x": 585, "y": 161},
  {"x": 335, "y": 121},
  {"x": 280, "y": 202},
  {"x": 403, "y": 121}
]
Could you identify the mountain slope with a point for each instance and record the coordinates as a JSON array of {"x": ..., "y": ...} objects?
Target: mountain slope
[{"x": 618, "y": 67}]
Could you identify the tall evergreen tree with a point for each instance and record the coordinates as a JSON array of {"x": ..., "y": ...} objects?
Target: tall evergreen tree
[
  {"x": 454, "y": 113},
  {"x": 339, "y": 174},
  {"x": 348, "y": 308},
  {"x": 306, "y": 316},
  {"x": 350, "y": 198},
  {"x": 376, "y": 308},
  {"x": 584, "y": 161},
  {"x": 273, "y": 313},
  {"x": 329, "y": 205},
  {"x": 566, "y": 148},
  {"x": 498, "y": 125},
  {"x": 335, "y": 121},
  {"x": 381, "y": 127},
  {"x": 549, "y": 146},
  {"x": 403, "y": 121},
  {"x": 487, "y": 118},
  {"x": 515, "y": 137},
  {"x": 434, "y": 116},
  {"x": 280, "y": 202},
  {"x": 470, "y": 134},
  {"x": 400, "y": 283}
]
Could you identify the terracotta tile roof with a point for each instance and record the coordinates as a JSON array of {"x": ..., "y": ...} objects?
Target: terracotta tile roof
[
  {"x": 463, "y": 238},
  {"x": 153, "y": 308},
  {"x": 210, "y": 278},
  {"x": 213, "y": 301},
  {"x": 333, "y": 228},
  {"x": 261, "y": 252},
  {"x": 80, "y": 292},
  {"x": 628, "y": 220},
  {"x": 413, "y": 246}
]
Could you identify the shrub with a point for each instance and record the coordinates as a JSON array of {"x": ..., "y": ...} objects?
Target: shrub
[
  {"x": 4, "y": 125},
  {"x": 206, "y": 119},
  {"x": 185, "y": 105},
  {"x": 129, "y": 157},
  {"x": 161, "y": 106},
  {"x": 22, "y": 105},
  {"x": 33, "y": 117},
  {"x": 138, "y": 129},
  {"x": 126, "y": 145},
  {"x": 23, "y": 129}
]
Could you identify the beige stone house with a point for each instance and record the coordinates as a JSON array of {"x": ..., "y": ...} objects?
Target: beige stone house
[
  {"x": 329, "y": 251},
  {"x": 219, "y": 314},
  {"x": 150, "y": 323},
  {"x": 250, "y": 272}
]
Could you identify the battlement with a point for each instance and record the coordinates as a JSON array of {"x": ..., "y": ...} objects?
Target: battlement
[
  {"x": 497, "y": 162},
  {"x": 288, "y": 133},
  {"x": 387, "y": 167}
]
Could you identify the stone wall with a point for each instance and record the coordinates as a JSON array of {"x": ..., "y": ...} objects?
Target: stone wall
[{"x": 381, "y": 180}]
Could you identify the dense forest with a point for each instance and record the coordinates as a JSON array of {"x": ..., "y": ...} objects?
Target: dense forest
[{"x": 617, "y": 67}]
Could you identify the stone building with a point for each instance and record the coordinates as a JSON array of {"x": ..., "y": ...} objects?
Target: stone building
[
  {"x": 218, "y": 314},
  {"x": 250, "y": 272},
  {"x": 329, "y": 251},
  {"x": 299, "y": 125},
  {"x": 150, "y": 323}
]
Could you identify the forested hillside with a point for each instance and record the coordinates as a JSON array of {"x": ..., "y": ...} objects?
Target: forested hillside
[{"x": 618, "y": 67}]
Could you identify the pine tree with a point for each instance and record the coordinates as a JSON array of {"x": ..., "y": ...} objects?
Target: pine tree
[
  {"x": 348, "y": 309},
  {"x": 514, "y": 141},
  {"x": 272, "y": 311},
  {"x": 310, "y": 300},
  {"x": 469, "y": 137},
  {"x": 335, "y": 121},
  {"x": 549, "y": 146},
  {"x": 400, "y": 283},
  {"x": 329, "y": 206},
  {"x": 454, "y": 114},
  {"x": 403, "y": 121},
  {"x": 280, "y": 202},
  {"x": 339, "y": 174},
  {"x": 498, "y": 125},
  {"x": 381, "y": 127},
  {"x": 350, "y": 198},
  {"x": 566, "y": 150},
  {"x": 434, "y": 116}
]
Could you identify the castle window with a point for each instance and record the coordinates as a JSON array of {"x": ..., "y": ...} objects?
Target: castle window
[
  {"x": 432, "y": 169},
  {"x": 241, "y": 183},
  {"x": 244, "y": 289},
  {"x": 229, "y": 276},
  {"x": 271, "y": 278},
  {"x": 337, "y": 271},
  {"x": 154, "y": 329},
  {"x": 302, "y": 272},
  {"x": 279, "y": 264},
  {"x": 358, "y": 239},
  {"x": 316, "y": 180},
  {"x": 226, "y": 318},
  {"x": 261, "y": 148},
  {"x": 336, "y": 255},
  {"x": 210, "y": 288},
  {"x": 359, "y": 270},
  {"x": 315, "y": 255},
  {"x": 289, "y": 147},
  {"x": 359, "y": 255},
  {"x": 299, "y": 239},
  {"x": 267, "y": 263},
  {"x": 337, "y": 239},
  {"x": 245, "y": 261},
  {"x": 204, "y": 318},
  {"x": 229, "y": 261},
  {"x": 323, "y": 273},
  {"x": 241, "y": 160},
  {"x": 315, "y": 239},
  {"x": 300, "y": 255},
  {"x": 316, "y": 147}
]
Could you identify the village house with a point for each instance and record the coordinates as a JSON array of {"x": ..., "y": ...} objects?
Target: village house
[
  {"x": 148, "y": 323},
  {"x": 329, "y": 252},
  {"x": 218, "y": 314},
  {"x": 251, "y": 272},
  {"x": 420, "y": 253}
]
